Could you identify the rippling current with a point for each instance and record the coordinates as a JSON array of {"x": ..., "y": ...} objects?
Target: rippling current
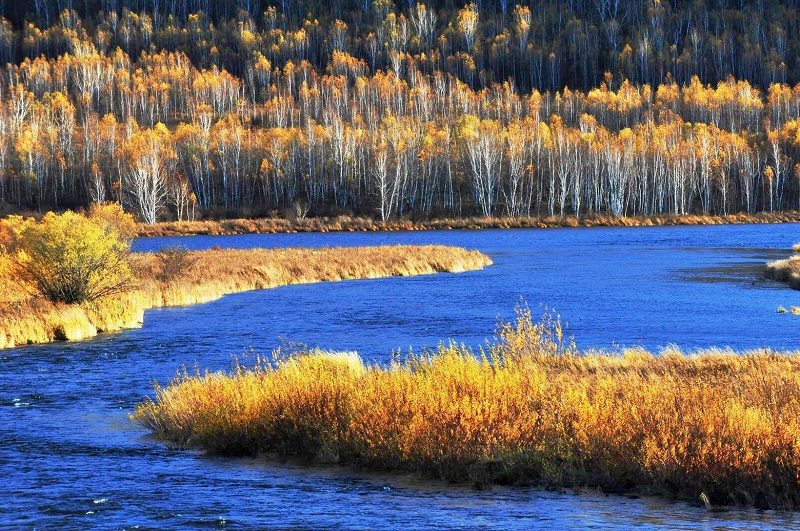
[{"x": 70, "y": 458}]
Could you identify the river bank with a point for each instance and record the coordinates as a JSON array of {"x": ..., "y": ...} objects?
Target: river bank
[
  {"x": 214, "y": 273},
  {"x": 359, "y": 224}
]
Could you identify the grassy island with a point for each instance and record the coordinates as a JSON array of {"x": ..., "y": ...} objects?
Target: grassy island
[
  {"x": 530, "y": 409},
  {"x": 179, "y": 277},
  {"x": 787, "y": 270}
]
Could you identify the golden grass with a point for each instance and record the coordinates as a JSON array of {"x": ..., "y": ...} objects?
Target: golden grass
[
  {"x": 528, "y": 410},
  {"x": 355, "y": 224},
  {"x": 25, "y": 319},
  {"x": 787, "y": 270}
]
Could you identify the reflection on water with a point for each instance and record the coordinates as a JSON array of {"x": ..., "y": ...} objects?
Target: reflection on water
[
  {"x": 70, "y": 457},
  {"x": 748, "y": 271}
]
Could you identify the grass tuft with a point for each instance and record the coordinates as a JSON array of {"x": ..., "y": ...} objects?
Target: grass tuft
[{"x": 787, "y": 270}]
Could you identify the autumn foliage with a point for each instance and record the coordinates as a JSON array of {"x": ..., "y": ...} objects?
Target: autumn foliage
[
  {"x": 402, "y": 111},
  {"x": 69, "y": 258},
  {"x": 528, "y": 409}
]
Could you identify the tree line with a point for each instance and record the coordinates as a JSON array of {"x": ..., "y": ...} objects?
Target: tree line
[
  {"x": 306, "y": 121},
  {"x": 542, "y": 44}
]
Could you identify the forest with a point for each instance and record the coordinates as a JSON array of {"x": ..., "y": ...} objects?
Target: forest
[{"x": 184, "y": 109}]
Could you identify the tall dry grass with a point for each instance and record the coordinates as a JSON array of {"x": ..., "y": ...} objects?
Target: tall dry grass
[
  {"x": 353, "y": 224},
  {"x": 530, "y": 409},
  {"x": 25, "y": 319},
  {"x": 787, "y": 270}
]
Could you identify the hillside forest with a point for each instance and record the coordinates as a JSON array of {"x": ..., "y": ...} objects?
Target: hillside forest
[{"x": 181, "y": 109}]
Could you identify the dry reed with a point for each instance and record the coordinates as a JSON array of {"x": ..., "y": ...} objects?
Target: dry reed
[
  {"x": 787, "y": 270},
  {"x": 214, "y": 273},
  {"x": 351, "y": 224},
  {"x": 529, "y": 410}
]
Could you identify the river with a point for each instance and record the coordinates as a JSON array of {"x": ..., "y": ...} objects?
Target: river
[{"x": 69, "y": 457}]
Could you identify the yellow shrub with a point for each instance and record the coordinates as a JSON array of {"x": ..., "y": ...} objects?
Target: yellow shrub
[
  {"x": 71, "y": 258},
  {"x": 123, "y": 224}
]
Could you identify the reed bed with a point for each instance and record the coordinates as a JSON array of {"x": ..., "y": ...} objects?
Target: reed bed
[
  {"x": 354, "y": 224},
  {"x": 529, "y": 409},
  {"x": 787, "y": 270},
  {"x": 25, "y": 319}
]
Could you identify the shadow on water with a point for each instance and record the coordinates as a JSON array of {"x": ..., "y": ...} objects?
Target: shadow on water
[{"x": 745, "y": 274}]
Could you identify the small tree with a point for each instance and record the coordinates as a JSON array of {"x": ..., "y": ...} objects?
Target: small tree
[{"x": 71, "y": 258}]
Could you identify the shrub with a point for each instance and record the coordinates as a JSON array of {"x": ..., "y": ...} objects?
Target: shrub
[
  {"x": 174, "y": 262},
  {"x": 7, "y": 232},
  {"x": 121, "y": 222},
  {"x": 71, "y": 258}
]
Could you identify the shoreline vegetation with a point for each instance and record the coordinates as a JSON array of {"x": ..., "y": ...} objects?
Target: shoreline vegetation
[
  {"x": 529, "y": 409},
  {"x": 25, "y": 319},
  {"x": 786, "y": 270},
  {"x": 362, "y": 224}
]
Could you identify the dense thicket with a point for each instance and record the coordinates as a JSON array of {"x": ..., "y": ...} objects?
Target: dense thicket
[{"x": 180, "y": 107}]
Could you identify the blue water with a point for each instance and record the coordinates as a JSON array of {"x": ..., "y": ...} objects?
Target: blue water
[{"x": 69, "y": 457}]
